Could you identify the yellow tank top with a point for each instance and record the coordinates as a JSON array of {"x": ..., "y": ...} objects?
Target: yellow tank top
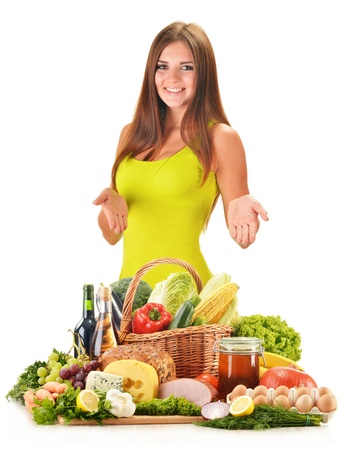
[{"x": 167, "y": 211}]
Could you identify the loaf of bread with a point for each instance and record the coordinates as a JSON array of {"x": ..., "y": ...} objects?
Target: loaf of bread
[{"x": 161, "y": 360}]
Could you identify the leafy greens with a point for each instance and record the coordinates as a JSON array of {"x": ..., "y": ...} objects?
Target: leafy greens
[{"x": 278, "y": 337}]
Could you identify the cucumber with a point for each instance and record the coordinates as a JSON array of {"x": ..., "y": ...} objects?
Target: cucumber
[{"x": 184, "y": 314}]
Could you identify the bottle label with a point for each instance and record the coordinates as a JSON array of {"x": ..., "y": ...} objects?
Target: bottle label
[{"x": 88, "y": 305}]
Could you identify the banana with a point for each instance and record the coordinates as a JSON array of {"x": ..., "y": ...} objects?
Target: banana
[
  {"x": 274, "y": 360},
  {"x": 262, "y": 370}
]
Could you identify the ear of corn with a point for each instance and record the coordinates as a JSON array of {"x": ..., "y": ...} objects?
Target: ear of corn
[
  {"x": 219, "y": 279},
  {"x": 230, "y": 315},
  {"x": 215, "y": 304}
]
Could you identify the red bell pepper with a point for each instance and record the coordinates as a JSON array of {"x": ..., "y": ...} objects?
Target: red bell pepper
[{"x": 150, "y": 318}]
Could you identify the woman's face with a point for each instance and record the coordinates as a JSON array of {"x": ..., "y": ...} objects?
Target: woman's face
[{"x": 175, "y": 76}]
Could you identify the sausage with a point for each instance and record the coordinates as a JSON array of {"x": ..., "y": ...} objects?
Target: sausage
[
  {"x": 195, "y": 391},
  {"x": 29, "y": 401}
]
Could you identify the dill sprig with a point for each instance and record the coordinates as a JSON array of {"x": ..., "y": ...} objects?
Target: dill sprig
[{"x": 264, "y": 417}]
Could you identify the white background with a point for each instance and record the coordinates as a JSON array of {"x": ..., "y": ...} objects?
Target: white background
[{"x": 70, "y": 76}]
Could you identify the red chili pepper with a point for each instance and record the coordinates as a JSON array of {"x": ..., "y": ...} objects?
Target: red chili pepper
[{"x": 150, "y": 318}]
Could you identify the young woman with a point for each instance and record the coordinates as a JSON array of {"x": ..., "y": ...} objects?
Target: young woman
[{"x": 173, "y": 161}]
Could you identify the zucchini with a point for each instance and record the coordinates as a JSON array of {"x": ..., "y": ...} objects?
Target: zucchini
[
  {"x": 199, "y": 321},
  {"x": 184, "y": 314}
]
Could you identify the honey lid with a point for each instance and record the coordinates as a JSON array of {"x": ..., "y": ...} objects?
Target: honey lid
[{"x": 240, "y": 345}]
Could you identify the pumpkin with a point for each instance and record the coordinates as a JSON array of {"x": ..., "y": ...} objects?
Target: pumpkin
[{"x": 286, "y": 376}]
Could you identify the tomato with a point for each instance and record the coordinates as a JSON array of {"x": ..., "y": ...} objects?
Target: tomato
[{"x": 209, "y": 378}]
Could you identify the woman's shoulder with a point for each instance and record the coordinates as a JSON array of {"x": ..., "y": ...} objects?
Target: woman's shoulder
[
  {"x": 226, "y": 143},
  {"x": 123, "y": 134},
  {"x": 223, "y": 131},
  {"x": 125, "y": 130}
]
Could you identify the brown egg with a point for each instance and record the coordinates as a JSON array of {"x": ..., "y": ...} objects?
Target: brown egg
[
  {"x": 260, "y": 399},
  {"x": 324, "y": 390},
  {"x": 260, "y": 390},
  {"x": 282, "y": 401},
  {"x": 326, "y": 403},
  {"x": 282, "y": 390},
  {"x": 240, "y": 389},
  {"x": 304, "y": 403},
  {"x": 303, "y": 390}
]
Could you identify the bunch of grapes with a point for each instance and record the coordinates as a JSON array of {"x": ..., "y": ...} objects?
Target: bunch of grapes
[
  {"x": 61, "y": 367},
  {"x": 50, "y": 371},
  {"x": 76, "y": 372}
]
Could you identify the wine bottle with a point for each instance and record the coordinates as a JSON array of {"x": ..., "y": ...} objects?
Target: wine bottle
[
  {"x": 85, "y": 328},
  {"x": 105, "y": 334}
]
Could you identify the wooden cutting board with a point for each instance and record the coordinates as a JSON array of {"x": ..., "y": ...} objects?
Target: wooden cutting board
[{"x": 135, "y": 420}]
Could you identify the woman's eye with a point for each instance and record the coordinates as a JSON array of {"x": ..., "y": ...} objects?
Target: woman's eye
[{"x": 165, "y": 67}]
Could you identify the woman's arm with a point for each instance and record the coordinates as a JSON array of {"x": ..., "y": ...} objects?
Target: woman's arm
[
  {"x": 241, "y": 210},
  {"x": 112, "y": 218}
]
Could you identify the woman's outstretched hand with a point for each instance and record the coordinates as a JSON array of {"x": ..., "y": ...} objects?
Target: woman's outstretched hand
[
  {"x": 114, "y": 208},
  {"x": 243, "y": 219}
]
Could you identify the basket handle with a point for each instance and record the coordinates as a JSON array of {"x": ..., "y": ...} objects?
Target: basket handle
[{"x": 133, "y": 285}]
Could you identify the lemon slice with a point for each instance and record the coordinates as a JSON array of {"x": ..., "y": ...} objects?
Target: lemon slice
[
  {"x": 87, "y": 400},
  {"x": 242, "y": 406}
]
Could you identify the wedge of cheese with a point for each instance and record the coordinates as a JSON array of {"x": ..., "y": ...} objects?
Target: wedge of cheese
[
  {"x": 100, "y": 381},
  {"x": 139, "y": 379}
]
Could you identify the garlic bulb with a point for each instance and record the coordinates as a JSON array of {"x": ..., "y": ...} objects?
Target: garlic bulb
[
  {"x": 122, "y": 404},
  {"x": 315, "y": 395},
  {"x": 293, "y": 396},
  {"x": 271, "y": 395}
]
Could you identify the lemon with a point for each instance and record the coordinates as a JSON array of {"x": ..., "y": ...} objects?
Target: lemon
[
  {"x": 87, "y": 400},
  {"x": 242, "y": 406}
]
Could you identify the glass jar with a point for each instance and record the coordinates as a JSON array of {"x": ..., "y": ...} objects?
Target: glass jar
[{"x": 238, "y": 363}]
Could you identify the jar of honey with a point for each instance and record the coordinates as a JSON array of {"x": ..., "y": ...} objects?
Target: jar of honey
[{"x": 238, "y": 363}]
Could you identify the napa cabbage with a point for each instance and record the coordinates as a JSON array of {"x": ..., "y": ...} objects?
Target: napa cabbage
[{"x": 173, "y": 291}]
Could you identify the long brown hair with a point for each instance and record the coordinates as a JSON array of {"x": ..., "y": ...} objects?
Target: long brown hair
[{"x": 147, "y": 128}]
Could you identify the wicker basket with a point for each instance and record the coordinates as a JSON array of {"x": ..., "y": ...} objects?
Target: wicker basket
[{"x": 192, "y": 348}]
